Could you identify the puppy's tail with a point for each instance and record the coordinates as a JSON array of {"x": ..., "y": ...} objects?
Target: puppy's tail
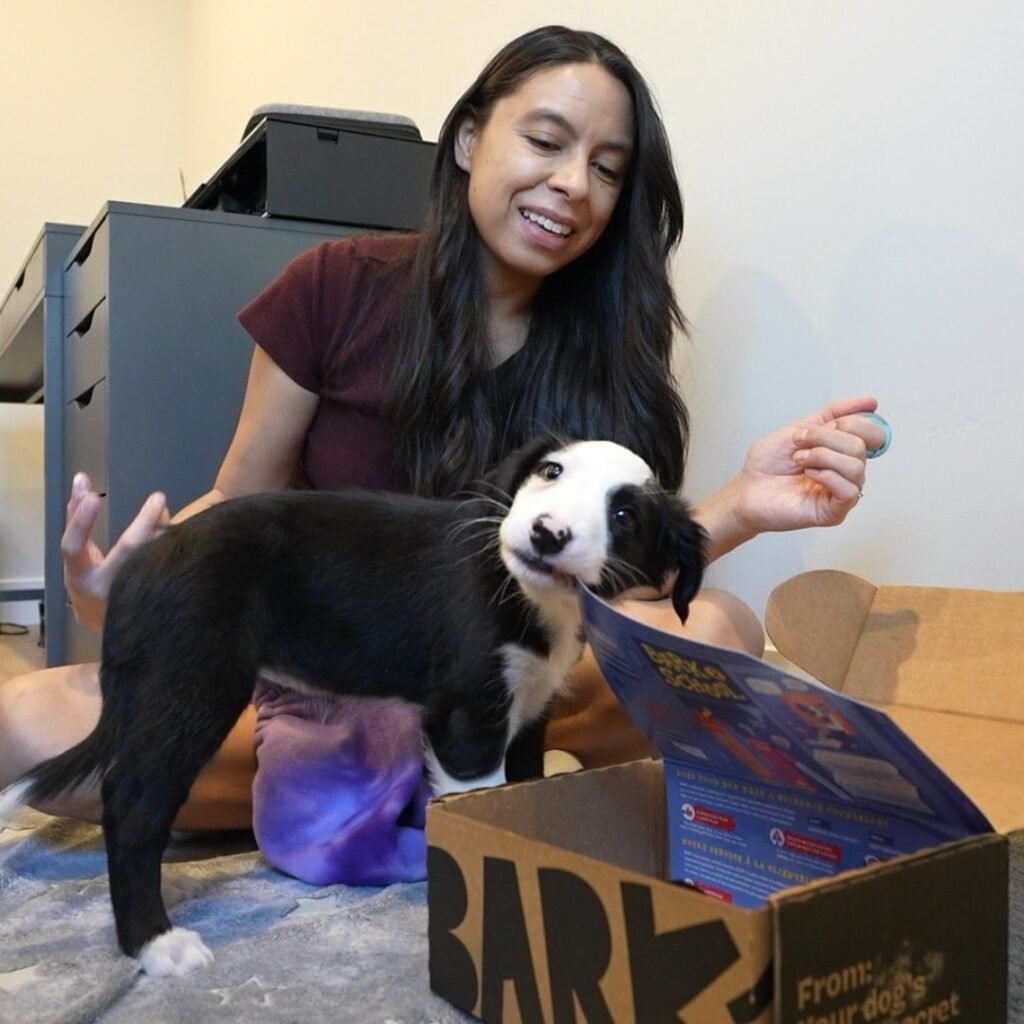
[{"x": 86, "y": 760}]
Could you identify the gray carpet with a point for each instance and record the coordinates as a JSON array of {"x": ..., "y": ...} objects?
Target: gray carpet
[{"x": 285, "y": 951}]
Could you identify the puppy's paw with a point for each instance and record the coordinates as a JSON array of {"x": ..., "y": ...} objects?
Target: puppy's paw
[
  {"x": 175, "y": 952},
  {"x": 442, "y": 783}
]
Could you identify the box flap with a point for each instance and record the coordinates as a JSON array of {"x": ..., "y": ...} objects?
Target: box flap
[
  {"x": 954, "y": 650},
  {"x": 815, "y": 620},
  {"x": 893, "y": 950}
]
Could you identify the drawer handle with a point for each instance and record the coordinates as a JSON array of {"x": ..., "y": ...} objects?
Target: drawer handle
[
  {"x": 86, "y": 323},
  {"x": 83, "y": 254},
  {"x": 83, "y": 400},
  {"x": 19, "y": 282}
]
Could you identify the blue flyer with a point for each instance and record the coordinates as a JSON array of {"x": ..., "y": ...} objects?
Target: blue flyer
[{"x": 771, "y": 779}]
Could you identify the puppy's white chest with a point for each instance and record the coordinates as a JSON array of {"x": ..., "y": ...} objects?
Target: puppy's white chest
[{"x": 533, "y": 679}]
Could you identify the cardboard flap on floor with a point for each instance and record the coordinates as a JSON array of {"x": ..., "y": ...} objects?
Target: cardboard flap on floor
[
  {"x": 960, "y": 651},
  {"x": 945, "y": 664}
]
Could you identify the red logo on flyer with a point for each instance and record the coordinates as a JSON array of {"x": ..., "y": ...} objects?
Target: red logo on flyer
[
  {"x": 807, "y": 845},
  {"x": 699, "y": 815}
]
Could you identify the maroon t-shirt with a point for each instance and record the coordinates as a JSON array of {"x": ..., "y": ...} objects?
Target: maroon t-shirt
[{"x": 329, "y": 322}]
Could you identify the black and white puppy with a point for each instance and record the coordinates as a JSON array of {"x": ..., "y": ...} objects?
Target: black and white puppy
[{"x": 464, "y": 607}]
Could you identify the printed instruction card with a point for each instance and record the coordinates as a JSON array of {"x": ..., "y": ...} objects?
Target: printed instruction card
[{"x": 771, "y": 779}]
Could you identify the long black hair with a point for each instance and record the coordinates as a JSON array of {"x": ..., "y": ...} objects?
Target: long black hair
[{"x": 597, "y": 359}]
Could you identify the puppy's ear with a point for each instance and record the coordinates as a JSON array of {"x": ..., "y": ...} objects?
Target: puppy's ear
[
  {"x": 508, "y": 475},
  {"x": 691, "y": 557}
]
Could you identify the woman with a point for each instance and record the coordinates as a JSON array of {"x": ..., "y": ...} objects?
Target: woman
[{"x": 537, "y": 297}]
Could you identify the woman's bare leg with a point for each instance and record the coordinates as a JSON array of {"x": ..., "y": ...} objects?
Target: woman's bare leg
[
  {"x": 590, "y": 723},
  {"x": 43, "y": 713}
]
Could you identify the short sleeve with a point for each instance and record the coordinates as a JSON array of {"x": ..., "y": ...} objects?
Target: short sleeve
[{"x": 289, "y": 319}]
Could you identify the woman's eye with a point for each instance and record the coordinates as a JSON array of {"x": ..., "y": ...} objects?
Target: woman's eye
[
  {"x": 550, "y": 470},
  {"x": 625, "y": 519},
  {"x": 545, "y": 145},
  {"x": 609, "y": 174}
]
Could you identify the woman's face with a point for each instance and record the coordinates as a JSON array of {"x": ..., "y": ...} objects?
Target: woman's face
[{"x": 545, "y": 172}]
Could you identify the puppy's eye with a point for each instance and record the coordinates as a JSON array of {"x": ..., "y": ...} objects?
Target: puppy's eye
[
  {"x": 549, "y": 470},
  {"x": 625, "y": 519}
]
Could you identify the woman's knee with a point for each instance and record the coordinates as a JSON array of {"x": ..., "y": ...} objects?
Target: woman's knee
[
  {"x": 718, "y": 617},
  {"x": 44, "y": 713}
]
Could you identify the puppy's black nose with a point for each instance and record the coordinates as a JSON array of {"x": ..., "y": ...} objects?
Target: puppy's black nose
[{"x": 546, "y": 541}]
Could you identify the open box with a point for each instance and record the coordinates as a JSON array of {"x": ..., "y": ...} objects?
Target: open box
[{"x": 548, "y": 900}]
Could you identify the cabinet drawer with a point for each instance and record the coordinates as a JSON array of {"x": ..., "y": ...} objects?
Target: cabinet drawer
[
  {"x": 86, "y": 275},
  {"x": 101, "y": 530},
  {"x": 27, "y": 288},
  {"x": 85, "y": 352},
  {"x": 85, "y": 436}
]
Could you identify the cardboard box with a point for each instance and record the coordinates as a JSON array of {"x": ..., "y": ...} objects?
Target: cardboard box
[{"x": 548, "y": 900}]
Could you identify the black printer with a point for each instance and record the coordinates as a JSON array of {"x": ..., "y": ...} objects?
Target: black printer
[{"x": 348, "y": 167}]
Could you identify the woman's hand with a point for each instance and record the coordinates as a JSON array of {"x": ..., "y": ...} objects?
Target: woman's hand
[
  {"x": 87, "y": 572},
  {"x": 809, "y": 473}
]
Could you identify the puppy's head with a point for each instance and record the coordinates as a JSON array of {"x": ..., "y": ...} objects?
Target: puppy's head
[{"x": 592, "y": 511}]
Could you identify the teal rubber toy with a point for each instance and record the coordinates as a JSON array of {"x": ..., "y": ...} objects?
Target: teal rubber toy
[{"x": 873, "y": 453}]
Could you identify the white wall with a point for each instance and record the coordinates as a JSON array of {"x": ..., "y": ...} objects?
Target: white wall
[
  {"x": 854, "y": 222},
  {"x": 852, "y": 172},
  {"x": 21, "y": 511},
  {"x": 93, "y": 109}
]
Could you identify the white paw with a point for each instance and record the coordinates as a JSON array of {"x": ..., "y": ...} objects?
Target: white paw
[
  {"x": 442, "y": 783},
  {"x": 175, "y": 952}
]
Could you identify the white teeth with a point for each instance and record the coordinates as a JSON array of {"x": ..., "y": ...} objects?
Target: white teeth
[{"x": 546, "y": 224}]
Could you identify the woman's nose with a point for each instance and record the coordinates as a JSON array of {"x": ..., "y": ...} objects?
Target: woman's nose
[{"x": 572, "y": 176}]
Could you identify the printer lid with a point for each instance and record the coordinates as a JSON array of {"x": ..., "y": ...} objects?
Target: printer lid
[{"x": 392, "y": 125}]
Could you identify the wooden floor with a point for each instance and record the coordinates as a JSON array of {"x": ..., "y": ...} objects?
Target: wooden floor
[{"x": 20, "y": 654}]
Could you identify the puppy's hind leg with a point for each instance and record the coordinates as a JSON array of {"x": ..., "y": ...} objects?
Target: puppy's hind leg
[
  {"x": 137, "y": 814},
  {"x": 156, "y": 766}
]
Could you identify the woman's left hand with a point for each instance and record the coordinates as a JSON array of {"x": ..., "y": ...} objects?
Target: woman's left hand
[{"x": 809, "y": 473}]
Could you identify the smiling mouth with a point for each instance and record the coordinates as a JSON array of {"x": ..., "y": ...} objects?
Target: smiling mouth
[{"x": 550, "y": 226}]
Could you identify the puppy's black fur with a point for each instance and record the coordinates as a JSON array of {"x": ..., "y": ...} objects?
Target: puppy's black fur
[{"x": 352, "y": 593}]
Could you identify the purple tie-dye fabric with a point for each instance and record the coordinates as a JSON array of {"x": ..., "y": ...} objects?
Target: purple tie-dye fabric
[{"x": 339, "y": 794}]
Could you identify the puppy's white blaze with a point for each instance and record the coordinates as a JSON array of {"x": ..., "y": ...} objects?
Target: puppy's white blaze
[
  {"x": 442, "y": 783},
  {"x": 177, "y": 951},
  {"x": 576, "y": 501}
]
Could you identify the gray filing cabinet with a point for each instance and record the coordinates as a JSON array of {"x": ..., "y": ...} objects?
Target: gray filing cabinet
[
  {"x": 155, "y": 362},
  {"x": 32, "y": 365}
]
